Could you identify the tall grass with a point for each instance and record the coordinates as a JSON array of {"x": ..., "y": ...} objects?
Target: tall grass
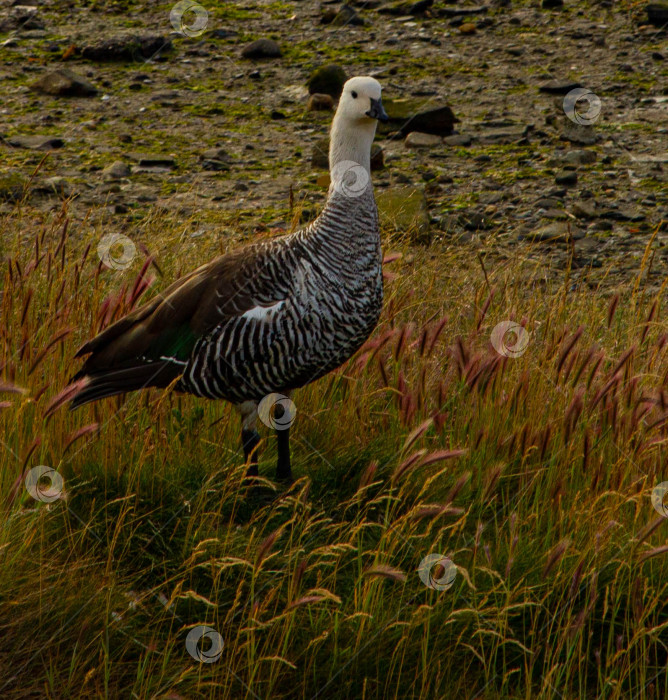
[{"x": 532, "y": 474}]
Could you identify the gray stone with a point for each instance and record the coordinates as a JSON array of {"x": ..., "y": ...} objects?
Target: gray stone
[
  {"x": 548, "y": 202},
  {"x": 582, "y": 134},
  {"x": 457, "y": 140},
  {"x": 557, "y": 232},
  {"x": 623, "y": 213},
  {"x": 461, "y": 11},
  {"x": 215, "y": 159},
  {"x": 566, "y": 177},
  {"x": 36, "y": 142},
  {"x": 343, "y": 17},
  {"x": 509, "y": 134},
  {"x": 584, "y": 209},
  {"x": 559, "y": 87},
  {"x": 416, "y": 139},
  {"x": 407, "y": 114},
  {"x": 261, "y": 48},
  {"x": 64, "y": 83},
  {"x": 581, "y": 157},
  {"x": 116, "y": 170},
  {"x": 475, "y": 220},
  {"x": 490, "y": 197},
  {"x": 127, "y": 48},
  {"x": 555, "y": 214},
  {"x": 146, "y": 160}
]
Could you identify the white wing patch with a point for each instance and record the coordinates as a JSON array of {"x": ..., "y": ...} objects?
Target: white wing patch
[{"x": 261, "y": 313}]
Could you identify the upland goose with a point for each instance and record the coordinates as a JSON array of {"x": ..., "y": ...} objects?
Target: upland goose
[{"x": 267, "y": 318}]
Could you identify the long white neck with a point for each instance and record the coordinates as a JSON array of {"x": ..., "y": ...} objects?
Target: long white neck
[{"x": 350, "y": 147}]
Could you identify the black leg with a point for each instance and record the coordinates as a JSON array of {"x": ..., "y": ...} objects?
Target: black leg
[
  {"x": 250, "y": 440},
  {"x": 283, "y": 470}
]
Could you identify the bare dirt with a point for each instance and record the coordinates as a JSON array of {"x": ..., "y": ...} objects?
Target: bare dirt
[{"x": 187, "y": 127}]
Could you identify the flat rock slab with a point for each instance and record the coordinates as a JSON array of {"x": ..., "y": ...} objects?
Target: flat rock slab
[
  {"x": 557, "y": 232},
  {"x": 36, "y": 142},
  {"x": 458, "y": 140},
  {"x": 661, "y": 158},
  {"x": 411, "y": 114},
  {"x": 558, "y": 87},
  {"x": 64, "y": 83},
  {"x": 623, "y": 214},
  {"x": 504, "y": 135},
  {"x": 416, "y": 139},
  {"x": 147, "y": 160},
  {"x": 127, "y": 48},
  {"x": 585, "y": 209},
  {"x": 461, "y": 11}
]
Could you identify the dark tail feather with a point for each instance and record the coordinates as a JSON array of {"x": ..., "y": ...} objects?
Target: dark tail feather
[{"x": 99, "y": 385}]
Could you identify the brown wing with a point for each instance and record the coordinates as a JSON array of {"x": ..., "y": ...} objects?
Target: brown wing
[
  {"x": 192, "y": 305},
  {"x": 150, "y": 346}
]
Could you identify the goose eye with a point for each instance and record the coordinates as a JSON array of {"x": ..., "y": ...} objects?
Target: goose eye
[{"x": 354, "y": 94}]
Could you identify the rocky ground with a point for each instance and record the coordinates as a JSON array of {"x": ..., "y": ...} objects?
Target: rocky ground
[{"x": 222, "y": 137}]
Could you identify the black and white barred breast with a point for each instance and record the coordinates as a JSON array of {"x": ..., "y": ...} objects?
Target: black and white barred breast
[{"x": 315, "y": 297}]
